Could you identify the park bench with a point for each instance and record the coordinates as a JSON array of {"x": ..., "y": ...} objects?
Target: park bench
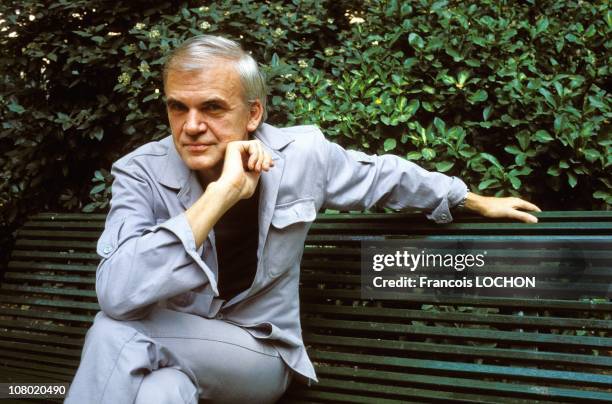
[{"x": 419, "y": 349}]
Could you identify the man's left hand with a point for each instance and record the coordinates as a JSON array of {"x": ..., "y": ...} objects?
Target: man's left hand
[{"x": 492, "y": 207}]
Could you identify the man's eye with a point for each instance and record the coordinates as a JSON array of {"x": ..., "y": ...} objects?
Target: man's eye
[
  {"x": 212, "y": 107},
  {"x": 176, "y": 107}
]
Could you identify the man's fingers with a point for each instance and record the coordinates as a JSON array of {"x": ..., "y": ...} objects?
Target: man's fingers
[
  {"x": 522, "y": 204},
  {"x": 522, "y": 216}
]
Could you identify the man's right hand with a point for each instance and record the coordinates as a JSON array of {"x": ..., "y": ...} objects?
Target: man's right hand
[{"x": 243, "y": 164}]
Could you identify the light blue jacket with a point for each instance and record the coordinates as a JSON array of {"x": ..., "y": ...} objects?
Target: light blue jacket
[{"x": 148, "y": 250}]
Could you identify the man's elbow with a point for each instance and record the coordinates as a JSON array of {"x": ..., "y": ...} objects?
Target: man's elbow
[{"x": 121, "y": 307}]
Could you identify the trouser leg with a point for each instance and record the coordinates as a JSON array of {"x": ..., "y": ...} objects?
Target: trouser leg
[
  {"x": 116, "y": 356},
  {"x": 167, "y": 386},
  {"x": 231, "y": 366},
  {"x": 223, "y": 360}
]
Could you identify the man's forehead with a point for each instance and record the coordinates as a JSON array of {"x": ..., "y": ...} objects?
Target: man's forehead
[{"x": 221, "y": 77}]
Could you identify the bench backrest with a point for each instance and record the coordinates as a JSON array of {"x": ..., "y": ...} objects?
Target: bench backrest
[{"x": 451, "y": 349}]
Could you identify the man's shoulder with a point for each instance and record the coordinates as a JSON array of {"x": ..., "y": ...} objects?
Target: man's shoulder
[
  {"x": 309, "y": 136},
  {"x": 151, "y": 150}
]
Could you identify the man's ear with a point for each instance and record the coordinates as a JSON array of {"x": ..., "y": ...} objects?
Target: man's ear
[{"x": 255, "y": 115}]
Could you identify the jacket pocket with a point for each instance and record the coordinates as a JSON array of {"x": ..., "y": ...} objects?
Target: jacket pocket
[
  {"x": 285, "y": 243},
  {"x": 301, "y": 210}
]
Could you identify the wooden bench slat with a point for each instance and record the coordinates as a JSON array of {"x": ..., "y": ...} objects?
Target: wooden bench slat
[
  {"x": 59, "y": 234},
  {"x": 55, "y": 255},
  {"x": 469, "y": 228},
  {"x": 591, "y": 305},
  {"x": 51, "y": 224},
  {"x": 463, "y": 333},
  {"x": 458, "y": 369},
  {"x": 64, "y": 244},
  {"x": 28, "y": 347},
  {"x": 404, "y": 393},
  {"x": 49, "y": 290},
  {"x": 32, "y": 301},
  {"x": 32, "y": 328},
  {"x": 53, "y": 372},
  {"x": 18, "y": 375},
  {"x": 90, "y": 280},
  {"x": 488, "y": 319},
  {"x": 45, "y": 315},
  {"x": 419, "y": 217},
  {"x": 511, "y": 355},
  {"x": 44, "y": 266},
  {"x": 69, "y": 216},
  {"x": 518, "y": 392},
  {"x": 8, "y": 337}
]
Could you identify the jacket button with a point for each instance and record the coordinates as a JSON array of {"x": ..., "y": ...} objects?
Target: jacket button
[
  {"x": 107, "y": 249},
  {"x": 444, "y": 216},
  {"x": 219, "y": 316}
]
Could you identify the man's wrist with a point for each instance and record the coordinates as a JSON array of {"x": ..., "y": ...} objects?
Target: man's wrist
[{"x": 473, "y": 202}]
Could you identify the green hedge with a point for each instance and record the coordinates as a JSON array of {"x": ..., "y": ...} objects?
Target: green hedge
[{"x": 509, "y": 95}]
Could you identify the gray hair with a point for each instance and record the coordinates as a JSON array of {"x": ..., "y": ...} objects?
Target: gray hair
[{"x": 196, "y": 53}]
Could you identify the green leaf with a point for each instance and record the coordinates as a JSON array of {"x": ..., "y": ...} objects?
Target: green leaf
[
  {"x": 428, "y": 153},
  {"x": 486, "y": 113},
  {"x": 487, "y": 184},
  {"x": 571, "y": 179},
  {"x": 415, "y": 155},
  {"x": 97, "y": 39},
  {"x": 97, "y": 189},
  {"x": 513, "y": 150},
  {"x": 444, "y": 166},
  {"x": 541, "y": 25},
  {"x": 591, "y": 154},
  {"x": 543, "y": 136},
  {"x": 440, "y": 125},
  {"x": 90, "y": 207},
  {"x": 413, "y": 107},
  {"x": 516, "y": 182},
  {"x": 389, "y": 144},
  {"x": 415, "y": 40},
  {"x": 524, "y": 139},
  {"x": 478, "y": 96},
  {"x": 492, "y": 159},
  {"x": 15, "y": 107}
]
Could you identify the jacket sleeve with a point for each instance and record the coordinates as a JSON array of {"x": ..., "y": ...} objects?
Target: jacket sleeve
[
  {"x": 356, "y": 180},
  {"x": 143, "y": 261}
]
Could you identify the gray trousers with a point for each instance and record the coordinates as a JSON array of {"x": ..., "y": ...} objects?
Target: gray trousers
[{"x": 173, "y": 358}]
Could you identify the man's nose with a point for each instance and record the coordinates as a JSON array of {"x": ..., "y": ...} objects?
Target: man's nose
[{"x": 195, "y": 123}]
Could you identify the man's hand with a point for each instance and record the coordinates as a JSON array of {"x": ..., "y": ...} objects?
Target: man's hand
[
  {"x": 501, "y": 207},
  {"x": 243, "y": 164}
]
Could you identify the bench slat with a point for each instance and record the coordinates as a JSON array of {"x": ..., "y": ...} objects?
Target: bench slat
[
  {"x": 426, "y": 348},
  {"x": 493, "y": 319},
  {"x": 458, "y": 369},
  {"x": 587, "y": 305},
  {"x": 49, "y": 290},
  {"x": 463, "y": 333}
]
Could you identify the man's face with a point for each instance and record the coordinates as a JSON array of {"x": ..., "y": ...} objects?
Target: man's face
[{"x": 206, "y": 111}]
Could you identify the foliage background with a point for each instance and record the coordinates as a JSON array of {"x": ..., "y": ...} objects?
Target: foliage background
[{"x": 509, "y": 95}]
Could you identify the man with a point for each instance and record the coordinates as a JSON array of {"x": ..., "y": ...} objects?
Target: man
[{"x": 198, "y": 281}]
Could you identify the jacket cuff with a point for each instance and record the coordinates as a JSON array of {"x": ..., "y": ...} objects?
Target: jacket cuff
[
  {"x": 179, "y": 226},
  {"x": 457, "y": 192}
]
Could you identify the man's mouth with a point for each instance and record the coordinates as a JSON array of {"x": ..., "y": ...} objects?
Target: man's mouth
[{"x": 196, "y": 147}]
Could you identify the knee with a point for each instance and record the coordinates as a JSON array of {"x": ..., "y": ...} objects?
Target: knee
[{"x": 167, "y": 386}]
